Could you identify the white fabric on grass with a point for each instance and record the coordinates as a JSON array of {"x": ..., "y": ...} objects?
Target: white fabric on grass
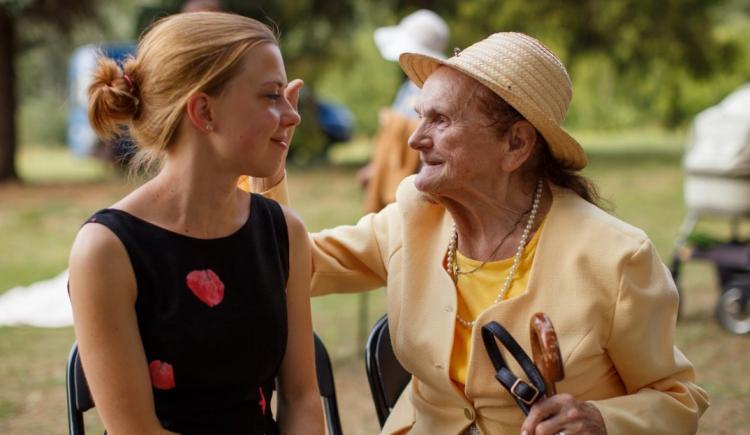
[{"x": 43, "y": 303}]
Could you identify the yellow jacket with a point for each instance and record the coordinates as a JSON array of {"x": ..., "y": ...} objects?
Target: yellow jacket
[{"x": 612, "y": 301}]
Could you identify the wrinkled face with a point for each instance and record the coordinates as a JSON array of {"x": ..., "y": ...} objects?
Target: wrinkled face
[
  {"x": 458, "y": 146},
  {"x": 252, "y": 119}
]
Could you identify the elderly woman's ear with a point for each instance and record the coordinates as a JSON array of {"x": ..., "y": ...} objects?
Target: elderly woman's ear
[{"x": 521, "y": 141}]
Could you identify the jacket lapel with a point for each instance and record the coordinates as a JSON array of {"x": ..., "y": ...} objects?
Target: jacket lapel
[{"x": 427, "y": 317}]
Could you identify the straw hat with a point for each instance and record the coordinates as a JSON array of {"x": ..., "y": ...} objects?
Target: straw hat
[
  {"x": 524, "y": 73},
  {"x": 422, "y": 32}
]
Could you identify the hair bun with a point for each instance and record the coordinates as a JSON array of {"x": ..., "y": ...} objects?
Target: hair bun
[{"x": 113, "y": 99}]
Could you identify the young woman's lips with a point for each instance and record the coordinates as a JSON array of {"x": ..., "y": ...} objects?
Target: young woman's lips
[{"x": 280, "y": 142}]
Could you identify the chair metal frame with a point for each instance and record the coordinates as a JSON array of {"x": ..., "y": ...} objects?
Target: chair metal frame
[
  {"x": 385, "y": 374},
  {"x": 324, "y": 371},
  {"x": 79, "y": 397}
]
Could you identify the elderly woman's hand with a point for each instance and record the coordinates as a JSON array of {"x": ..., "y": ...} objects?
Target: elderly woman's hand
[{"x": 563, "y": 414}]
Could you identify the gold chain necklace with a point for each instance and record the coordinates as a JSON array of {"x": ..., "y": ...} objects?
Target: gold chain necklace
[
  {"x": 457, "y": 270},
  {"x": 453, "y": 245}
]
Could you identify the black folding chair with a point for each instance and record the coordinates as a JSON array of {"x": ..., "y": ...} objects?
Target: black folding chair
[
  {"x": 386, "y": 376},
  {"x": 79, "y": 397},
  {"x": 80, "y": 401},
  {"x": 327, "y": 388}
]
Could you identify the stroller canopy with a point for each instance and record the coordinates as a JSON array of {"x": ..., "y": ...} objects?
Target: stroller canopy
[{"x": 719, "y": 143}]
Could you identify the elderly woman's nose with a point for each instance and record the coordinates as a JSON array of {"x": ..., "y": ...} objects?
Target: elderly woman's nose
[{"x": 418, "y": 140}]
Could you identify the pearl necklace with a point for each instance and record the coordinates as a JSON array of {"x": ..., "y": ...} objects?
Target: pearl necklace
[{"x": 452, "y": 262}]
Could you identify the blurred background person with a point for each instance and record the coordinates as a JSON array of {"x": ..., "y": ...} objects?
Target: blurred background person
[{"x": 422, "y": 32}]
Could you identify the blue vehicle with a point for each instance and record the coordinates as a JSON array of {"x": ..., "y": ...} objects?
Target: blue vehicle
[{"x": 336, "y": 121}]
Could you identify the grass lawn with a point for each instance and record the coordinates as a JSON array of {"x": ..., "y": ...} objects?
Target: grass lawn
[{"x": 639, "y": 172}]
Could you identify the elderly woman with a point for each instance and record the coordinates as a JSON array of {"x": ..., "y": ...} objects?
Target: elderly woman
[{"x": 496, "y": 226}]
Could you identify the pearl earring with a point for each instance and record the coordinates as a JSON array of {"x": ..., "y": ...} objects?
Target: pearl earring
[{"x": 209, "y": 127}]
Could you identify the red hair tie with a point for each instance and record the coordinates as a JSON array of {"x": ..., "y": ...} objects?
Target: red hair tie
[{"x": 129, "y": 81}]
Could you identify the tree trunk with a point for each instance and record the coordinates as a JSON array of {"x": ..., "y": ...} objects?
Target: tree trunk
[{"x": 7, "y": 97}]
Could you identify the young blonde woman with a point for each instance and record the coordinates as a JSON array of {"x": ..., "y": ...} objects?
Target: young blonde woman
[{"x": 190, "y": 296}]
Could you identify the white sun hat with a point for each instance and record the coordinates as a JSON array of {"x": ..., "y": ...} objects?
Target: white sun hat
[
  {"x": 422, "y": 32},
  {"x": 524, "y": 73}
]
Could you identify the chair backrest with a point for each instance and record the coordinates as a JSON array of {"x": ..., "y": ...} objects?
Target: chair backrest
[
  {"x": 327, "y": 387},
  {"x": 386, "y": 376},
  {"x": 80, "y": 401},
  {"x": 79, "y": 397}
]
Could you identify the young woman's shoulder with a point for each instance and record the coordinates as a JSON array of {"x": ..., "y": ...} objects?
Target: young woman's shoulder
[
  {"x": 300, "y": 263},
  {"x": 295, "y": 227},
  {"x": 98, "y": 259},
  {"x": 94, "y": 241}
]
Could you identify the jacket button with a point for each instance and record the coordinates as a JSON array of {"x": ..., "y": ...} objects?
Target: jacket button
[{"x": 469, "y": 413}]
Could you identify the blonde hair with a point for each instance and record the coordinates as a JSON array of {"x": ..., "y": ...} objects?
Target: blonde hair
[{"x": 177, "y": 56}]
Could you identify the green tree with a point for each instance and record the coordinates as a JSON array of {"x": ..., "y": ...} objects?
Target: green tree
[
  {"x": 643, "y": 40},
  {"x": 307, "y": 28},
  {"x": 633, "y": 33},
  {"x": 58, "y": 17}
]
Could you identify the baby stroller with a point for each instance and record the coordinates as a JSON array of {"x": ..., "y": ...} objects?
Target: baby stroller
[{"x": 717, "y": 183}]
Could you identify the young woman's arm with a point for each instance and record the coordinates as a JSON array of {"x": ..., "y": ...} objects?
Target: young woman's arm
[
  {"x": 300, "y": 408},
  {"x": 102, "y": 292}
]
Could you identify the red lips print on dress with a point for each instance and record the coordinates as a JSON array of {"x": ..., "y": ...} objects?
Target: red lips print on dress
[
  {"x": 206, "y": 286},
  {"x": 162, "y": 375},
  {"x": 262, "y": 400}
]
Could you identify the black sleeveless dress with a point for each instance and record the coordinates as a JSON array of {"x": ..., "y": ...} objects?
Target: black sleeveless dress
[{"x": 212, "y": 318}]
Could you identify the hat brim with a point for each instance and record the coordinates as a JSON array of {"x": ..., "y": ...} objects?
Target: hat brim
[
  {"x": 564, "y": 148},
  {"x": 392, "y": 41}
]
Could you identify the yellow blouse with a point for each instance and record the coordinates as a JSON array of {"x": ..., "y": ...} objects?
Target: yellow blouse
[{"x": 477, "y": 291}]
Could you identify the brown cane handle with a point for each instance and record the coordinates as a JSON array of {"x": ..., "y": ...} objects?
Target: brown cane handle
[{"x": 545, "y": 351}]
